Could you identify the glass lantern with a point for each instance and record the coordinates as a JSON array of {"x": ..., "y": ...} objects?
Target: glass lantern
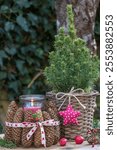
[{"x": 32, "y": 102}]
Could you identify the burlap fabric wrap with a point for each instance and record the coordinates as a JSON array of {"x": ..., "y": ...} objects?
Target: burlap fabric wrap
[{"x": 86, "y": 118}]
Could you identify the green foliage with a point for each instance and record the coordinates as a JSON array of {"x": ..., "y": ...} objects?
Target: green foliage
[
  {"x": 7, "y": 144},
  {"x": 27, "y": 29},
  {"x": 96, "y": 123},
  {"x": 71, "y": 64}
]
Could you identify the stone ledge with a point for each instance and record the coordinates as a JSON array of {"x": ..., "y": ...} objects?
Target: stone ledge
[{"x": 69, "y": 146}]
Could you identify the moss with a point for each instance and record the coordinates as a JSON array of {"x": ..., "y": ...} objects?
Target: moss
[{"x": 7, "y": 144}]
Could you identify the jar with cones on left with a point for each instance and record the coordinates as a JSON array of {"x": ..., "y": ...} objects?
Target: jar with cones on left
[{"x": 31, "y": 123}]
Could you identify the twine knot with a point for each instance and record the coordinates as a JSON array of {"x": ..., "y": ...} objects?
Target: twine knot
[{"x": 73, "y": 93}]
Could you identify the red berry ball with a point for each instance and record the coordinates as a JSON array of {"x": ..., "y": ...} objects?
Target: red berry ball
[
  {"x": 63, "y": 141},
  {"x": 79, "y": 139}
]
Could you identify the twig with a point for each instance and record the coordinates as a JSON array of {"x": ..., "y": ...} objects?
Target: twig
[
  {"x": 9, "y": 18},
  {"x": 35, "y": 78}
]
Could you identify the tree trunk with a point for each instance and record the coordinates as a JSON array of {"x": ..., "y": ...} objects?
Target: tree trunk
[{"x": 85, "y": 13}]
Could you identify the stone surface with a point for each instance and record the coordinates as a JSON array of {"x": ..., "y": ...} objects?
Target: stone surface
[{"x": 69, "y": 146}]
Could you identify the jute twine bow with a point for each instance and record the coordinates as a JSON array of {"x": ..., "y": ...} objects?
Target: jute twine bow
[
  {"x": 34, "y": 126},
  {"x": 68, "y": 96}
]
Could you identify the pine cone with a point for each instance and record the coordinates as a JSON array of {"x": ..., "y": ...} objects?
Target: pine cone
[
  {"x": 27, "y": 118},
  {"x": 56, "y": 128},
  {"x": 16, "y": 132},
  {"x": 12, "y": 108},
  {"x": 13, "y": 105},
  {"x": 37, "y": 138},
  {"x": 37, "y": 134},
  {"x": 93, "y": 136},
  {"x": 51, "y": 104},
  {"x": 49, "y": 130}
]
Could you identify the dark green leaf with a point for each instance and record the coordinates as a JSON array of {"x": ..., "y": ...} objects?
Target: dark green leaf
[
  {"x": 33, "y": 18},
  {"x": 4, "y": 9},
  {"x": 3, "y": 54},
  {"x": 29, "y": 60},
  {"x": 26, "y": 80},
  {"x": 9, "y": 36},
  {"x": 16, "y": 9},
  {"x": 33, "y": 35},
  {"x": 2, "y": 31},
  {"x": 11, "y": 76},
  {"x": 27, "y": 91},
  {"x": 39, "y": 53},
  {"x": 11, "y": 51},
  {"x": 20, "y": 65},
  {"x": 23, "y": 23},
  {"x": 12, "y": 95},
  {"x": 14, "y": 85},
  {"x": 1, "y": 62},
  {"x": 23, "y": 3},
  {"x": 3, "y": 75},
  {"x": 9, "y": 26}
]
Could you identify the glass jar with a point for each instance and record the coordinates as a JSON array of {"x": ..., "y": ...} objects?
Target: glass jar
[{"x": 32, "y": 102}]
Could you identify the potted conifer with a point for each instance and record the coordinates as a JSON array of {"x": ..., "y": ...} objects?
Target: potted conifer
[{"x": 72, "y": 65}]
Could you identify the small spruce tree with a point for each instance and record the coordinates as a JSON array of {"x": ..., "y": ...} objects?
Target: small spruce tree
[{"x": 71, "y": 64}]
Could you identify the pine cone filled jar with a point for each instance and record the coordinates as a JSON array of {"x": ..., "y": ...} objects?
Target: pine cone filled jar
[
  {"x": 32, "y": 102},
  {"x": 32, "y": 106}
]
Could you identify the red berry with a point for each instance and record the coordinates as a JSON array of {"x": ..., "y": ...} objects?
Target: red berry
[
  {"x": 79, "y": 139},
  {"x": 63, "y": 141}
]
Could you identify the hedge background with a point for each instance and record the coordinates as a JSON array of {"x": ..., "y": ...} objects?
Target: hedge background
[{"x": 27, "y": 30}]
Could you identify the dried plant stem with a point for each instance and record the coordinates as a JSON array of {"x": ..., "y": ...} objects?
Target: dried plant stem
[{"x": 35, "y": 78}]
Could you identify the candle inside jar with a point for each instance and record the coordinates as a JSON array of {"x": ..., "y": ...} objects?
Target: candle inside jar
[
  {"x": 32, "y": 102},
  {"x": 32, "y": 106}
]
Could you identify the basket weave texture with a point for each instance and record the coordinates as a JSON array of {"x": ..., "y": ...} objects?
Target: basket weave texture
[{"x": 85, "y": 120}]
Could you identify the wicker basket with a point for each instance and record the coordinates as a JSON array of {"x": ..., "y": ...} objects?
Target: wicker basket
[{"x": 86, "y": 118}]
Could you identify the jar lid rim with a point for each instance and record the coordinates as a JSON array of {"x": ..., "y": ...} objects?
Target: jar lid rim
[{"x": 35, "y": 96}]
